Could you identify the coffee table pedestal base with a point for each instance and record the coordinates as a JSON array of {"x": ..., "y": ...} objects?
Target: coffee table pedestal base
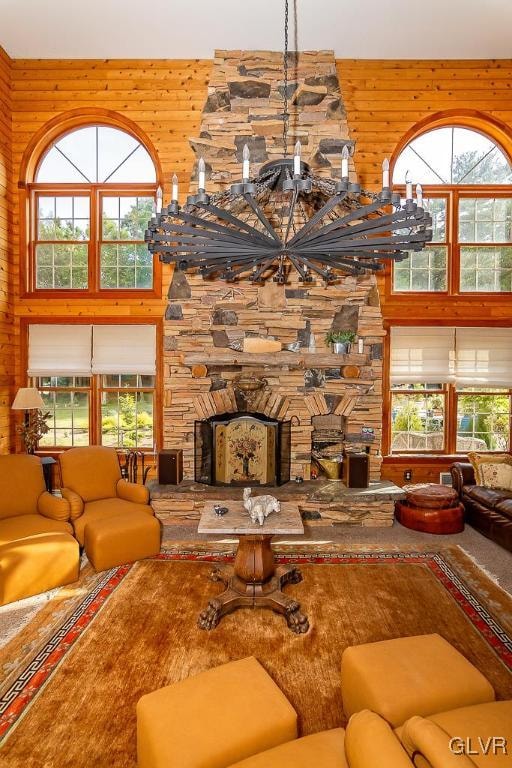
[{"x": 255, "y": 582}]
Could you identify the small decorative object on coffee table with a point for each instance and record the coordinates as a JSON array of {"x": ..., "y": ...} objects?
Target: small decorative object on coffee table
[
  {"x": 254, "y": 581},
  {"x": 430, "y": 508},
  {"x": 260, "y": 507}
]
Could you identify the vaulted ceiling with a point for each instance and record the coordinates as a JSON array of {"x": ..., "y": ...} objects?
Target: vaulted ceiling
[{"x": 375, "y": 29}]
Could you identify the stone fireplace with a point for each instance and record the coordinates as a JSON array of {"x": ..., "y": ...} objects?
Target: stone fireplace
[
  {"x": 219, "y": 334},
  {"x": 242, "y": 449}
]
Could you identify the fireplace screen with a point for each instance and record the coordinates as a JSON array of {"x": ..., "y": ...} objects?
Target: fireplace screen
[{"x": 242, "y": 449}]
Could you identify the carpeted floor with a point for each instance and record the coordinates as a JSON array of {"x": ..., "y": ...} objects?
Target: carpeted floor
[{"x": 73, "y": 675}]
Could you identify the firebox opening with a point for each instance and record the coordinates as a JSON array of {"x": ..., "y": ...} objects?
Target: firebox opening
[{"x": 242, "y": 449}]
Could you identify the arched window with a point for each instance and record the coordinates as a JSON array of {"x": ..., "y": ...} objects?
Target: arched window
[
  {"x": 93, "y": 193},
  {"x": 450, "y": 390},
  {"x": 466, "y": 179}
]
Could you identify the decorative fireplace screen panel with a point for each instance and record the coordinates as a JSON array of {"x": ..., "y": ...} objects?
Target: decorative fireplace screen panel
[{"x": 242, "y": 449}]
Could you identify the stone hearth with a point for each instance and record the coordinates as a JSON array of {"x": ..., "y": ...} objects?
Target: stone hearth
[{"x": 320, "y": 502}]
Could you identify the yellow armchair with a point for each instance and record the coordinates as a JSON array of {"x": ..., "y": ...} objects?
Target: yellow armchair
[
  {"x": 26, "y": 508},
  {"x": 92, "y": 485},
  {"x": 37, "y": 549}
]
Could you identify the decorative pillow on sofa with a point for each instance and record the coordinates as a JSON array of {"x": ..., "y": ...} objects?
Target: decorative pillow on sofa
[
  {"x": 479, "y": 459},
  {"x": 496, "y": 476}
]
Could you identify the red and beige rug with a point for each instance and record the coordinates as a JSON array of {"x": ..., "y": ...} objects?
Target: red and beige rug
[{"x": 72, "y": 676}]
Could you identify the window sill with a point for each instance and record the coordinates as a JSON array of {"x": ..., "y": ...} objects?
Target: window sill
[{"x": 107, "y": 293}]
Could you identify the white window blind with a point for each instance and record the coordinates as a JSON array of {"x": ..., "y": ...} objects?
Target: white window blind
[
  {"x": 124, "y": 349},
  {"x": 422, "y": 354},
  {"x": 59, "y": 350},
  {"x": 484, "y": 357}
]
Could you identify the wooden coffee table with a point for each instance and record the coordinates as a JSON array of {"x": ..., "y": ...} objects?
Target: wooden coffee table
[{"x": 254, "y": 581}]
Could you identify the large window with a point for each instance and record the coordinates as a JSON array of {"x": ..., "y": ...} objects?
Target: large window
[
  {"x": 450, "y": 389},
  {"x": 92, "y": 197},
  {"x": 467, "y": 186},
  {"x": 88, "y": 403}
]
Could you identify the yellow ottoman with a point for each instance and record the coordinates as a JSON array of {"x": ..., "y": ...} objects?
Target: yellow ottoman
[
  {"x": 409, "y": 676},
  {"x": 213, "y": 719},
  {"x": 325, "y": 749},
  {"x": 111, "y": 541},
  {"x": 37, "y": 563}
]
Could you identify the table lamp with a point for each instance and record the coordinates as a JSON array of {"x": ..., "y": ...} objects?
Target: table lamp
[{"x": 27, "y": 399}]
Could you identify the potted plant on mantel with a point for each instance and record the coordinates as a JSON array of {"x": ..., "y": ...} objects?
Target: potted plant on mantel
[{"x": 340, "y": 341}]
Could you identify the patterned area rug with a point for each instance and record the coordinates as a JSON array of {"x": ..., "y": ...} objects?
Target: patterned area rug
[{"x": 72, "y": 676}]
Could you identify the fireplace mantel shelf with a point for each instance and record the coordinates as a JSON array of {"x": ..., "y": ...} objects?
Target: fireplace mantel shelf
[{"x": 276, "y": 359}]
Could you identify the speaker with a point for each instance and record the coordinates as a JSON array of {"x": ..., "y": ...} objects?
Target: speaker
[
  {"x": 170, "y": 466},
  {"x": 356, "y": 470}
]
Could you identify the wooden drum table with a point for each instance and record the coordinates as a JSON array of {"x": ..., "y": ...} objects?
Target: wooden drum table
[
  {"x": 254, "y": 581},
  {"x": 431, "y": 508}
]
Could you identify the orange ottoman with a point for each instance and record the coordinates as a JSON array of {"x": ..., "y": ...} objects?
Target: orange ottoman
[
  {"x": 213, "y": 719},
  {"x": 121, "y": 539},
  {"x": 407, "y": 676}
]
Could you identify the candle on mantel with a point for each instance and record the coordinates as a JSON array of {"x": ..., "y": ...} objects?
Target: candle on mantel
[
  {"x": 159, "y": 200},
  {"x": 246, "y": 157},
  {"x": 419, "y": 196},
  {"x": 385, "y": 173},
  {"x": 296, "y": 159},
  {"x": 408, "y": 187},
  {"x": 175, "y": 193},
  {"x": 344, "y": 162},
  {"x": 201, "y": 174}
]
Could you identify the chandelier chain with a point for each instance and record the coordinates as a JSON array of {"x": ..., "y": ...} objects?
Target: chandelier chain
[{"x": 286, "y": 115}]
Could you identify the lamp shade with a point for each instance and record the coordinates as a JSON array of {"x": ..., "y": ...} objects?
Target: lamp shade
[{"x": 27, "y": 398}]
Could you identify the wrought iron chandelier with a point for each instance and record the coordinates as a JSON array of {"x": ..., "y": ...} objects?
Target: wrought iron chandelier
[{"x": 287, "y": 218}]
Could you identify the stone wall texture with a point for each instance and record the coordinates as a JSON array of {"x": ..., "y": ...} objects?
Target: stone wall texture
[{"x": 207, "y": 321}]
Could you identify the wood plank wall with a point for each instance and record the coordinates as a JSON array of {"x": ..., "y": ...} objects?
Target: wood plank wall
[
  {"x": 163, "y": 98},
  {"x": 384, "y": 100},
  {"x": 6, "y": 315}
]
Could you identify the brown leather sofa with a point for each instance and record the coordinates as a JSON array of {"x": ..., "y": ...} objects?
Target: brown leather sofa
[
  {"x": 37, "y": 549},
  {"x": 487, "y": 510}
]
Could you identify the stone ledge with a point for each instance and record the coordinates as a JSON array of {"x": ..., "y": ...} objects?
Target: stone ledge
[{"x": 321, "y": 502}]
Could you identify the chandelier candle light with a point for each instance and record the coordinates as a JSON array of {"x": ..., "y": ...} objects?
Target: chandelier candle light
[{"x": 287, "y": 218}]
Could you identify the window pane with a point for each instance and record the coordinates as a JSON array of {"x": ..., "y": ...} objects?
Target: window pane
[
  {"x": 425, "y": 271},
  {"x": 417, "y": 422},
  {"x": 127, "y": 419},
  {"x": 485, "y": 220},
  {"x": 483, "y": 422},
  {"x": 453, "y": 155},
  {"x": 126, "y": 218},
  {"x": 410, "y": 387},
  {"x": 69, "y": 418},
  {"x": 61, "y": 266},
  {"x": 63, "y": 218},
  {"x": 126, "y": 266},
  {"x": 96, "y": 154},
  {"x": 436, "y": 206},
  {"x": 486, "y": 269}
]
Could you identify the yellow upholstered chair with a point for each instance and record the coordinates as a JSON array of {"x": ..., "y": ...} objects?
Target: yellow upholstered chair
[
  {"x": 37, "y": 549},
  {"x": 111, "y": 517},
  {"x": 92, "y": 484},
  {"x": 26, "y": 508}
]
